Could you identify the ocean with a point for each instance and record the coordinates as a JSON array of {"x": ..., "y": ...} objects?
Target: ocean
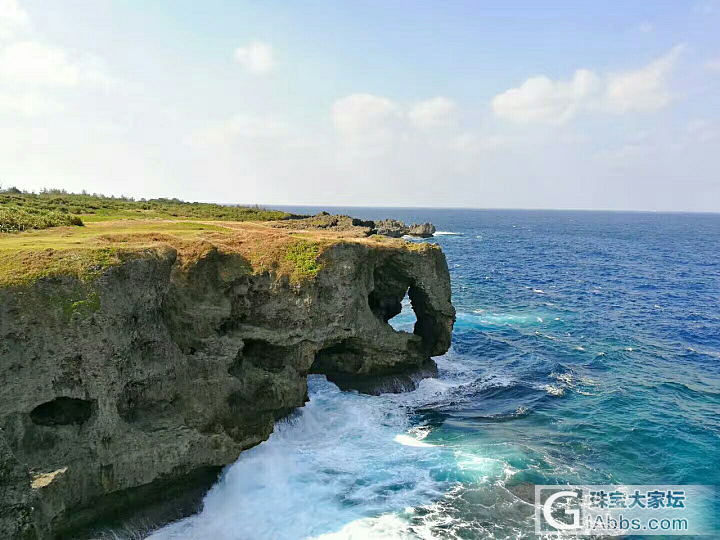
[{"x": 586, "y": 351}]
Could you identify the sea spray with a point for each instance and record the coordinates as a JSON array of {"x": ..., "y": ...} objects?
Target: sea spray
[{"x": 341, "y": 458}]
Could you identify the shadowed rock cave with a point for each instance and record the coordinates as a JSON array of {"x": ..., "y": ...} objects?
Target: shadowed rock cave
[
  {"x": 342, "y": 361},
  {"x": 61, "y": 412},
  {"x": 147, "y": 402},
  {"x": 347, "y": 353},
  {"x": 265, "y": 355},
  {"x": 345, "y": 362},
  {"x": 385, "y": 300},
  {"x": 390, "y": 287}
]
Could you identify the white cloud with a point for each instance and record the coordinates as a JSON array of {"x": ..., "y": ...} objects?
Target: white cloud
[
  {"x": 645, "y": 27},
  {"x": 542, "y": 100},
  {"x": 242, "y": 126},
  {"x": 366, "y": 121},
  {"x": 33, "y": 63},
  {"x": 256, "y": 57},
  {"x": 370, "y": 125},
  {"x": 362, "y": 112},
  {"x": 644, "y": 89},
  {"x": 435, "y": 112},
  {"x": 28, "y": 104},
  {"x": 12, "y": 18}
]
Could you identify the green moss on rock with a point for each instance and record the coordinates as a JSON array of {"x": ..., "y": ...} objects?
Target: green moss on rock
[{"x": 304, "y": 255}]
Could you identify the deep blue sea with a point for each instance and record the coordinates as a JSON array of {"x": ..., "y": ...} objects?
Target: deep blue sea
[{"x": 586, "y": 351}]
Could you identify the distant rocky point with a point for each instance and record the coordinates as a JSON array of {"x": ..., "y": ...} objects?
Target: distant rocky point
[
  {"x": 396, "y": 229},
  {"x": 358, "y": 227}
]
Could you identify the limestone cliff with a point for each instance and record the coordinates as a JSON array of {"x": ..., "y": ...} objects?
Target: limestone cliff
[{"x": 142, "y": 383}]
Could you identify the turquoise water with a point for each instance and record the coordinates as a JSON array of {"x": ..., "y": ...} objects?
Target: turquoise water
[{"x": 586, "y": 351}]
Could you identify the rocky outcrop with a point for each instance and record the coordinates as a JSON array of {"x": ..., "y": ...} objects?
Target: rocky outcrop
[
  {"x": 350, "y": 226},
  {"x": 396, "y": 229},
  {"x": 139, "y": 386},
  {"x": 391, "y": 227},
  {"x": 423, "y": 230},
  {"x": 336, "y": 222}
]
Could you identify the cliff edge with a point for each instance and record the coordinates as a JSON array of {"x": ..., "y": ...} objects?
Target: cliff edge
[{"x": 137, "y": 381}]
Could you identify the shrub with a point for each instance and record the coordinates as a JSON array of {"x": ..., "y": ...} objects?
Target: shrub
[
  {"x": 304, "y": 254},
  {"x": 105, "y": 208},
  {"x": 15, "y": 219}
]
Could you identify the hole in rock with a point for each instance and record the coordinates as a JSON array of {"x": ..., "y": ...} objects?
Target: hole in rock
[
  {"x": 391, "y": 287},
  {"x": 389, "y": 300},
  {"x": 406, "y": 319},
  {"x": 62, "y": 411}
]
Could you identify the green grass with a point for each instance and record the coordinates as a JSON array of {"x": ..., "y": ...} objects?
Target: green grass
[
  {"x": 24, "y": 267},
  {"x": 304, "y": 255},
  {"x": 23, "y": 211},
  {"x": 117, "y": 229}
]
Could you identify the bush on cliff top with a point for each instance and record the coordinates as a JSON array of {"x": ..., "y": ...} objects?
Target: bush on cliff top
[
  {"x": 16, "y": 219},
  {"x": 100, "y": 208}
]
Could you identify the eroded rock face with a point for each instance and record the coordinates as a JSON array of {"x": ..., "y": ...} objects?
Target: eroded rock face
[
  {"x": 396, "y": 229},
  {"x": 17, "y": 519},
  {"x": 140, "y": 386},
  {"x": 423, "y": 230},
  {"x": 350, "y": 226},
  {"x": 392, "y": 228}
]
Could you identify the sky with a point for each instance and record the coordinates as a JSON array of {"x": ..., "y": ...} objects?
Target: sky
[{"x": 377, "y": 103}]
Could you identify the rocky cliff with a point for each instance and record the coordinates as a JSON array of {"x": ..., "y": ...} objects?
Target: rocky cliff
[{"x": 141, "y": 384}]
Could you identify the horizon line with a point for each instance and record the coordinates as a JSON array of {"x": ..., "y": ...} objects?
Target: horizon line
[{"x": 477, "y": 208}]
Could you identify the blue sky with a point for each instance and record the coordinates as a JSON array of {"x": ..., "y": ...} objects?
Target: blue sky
[{"x": 471, "y": 104}]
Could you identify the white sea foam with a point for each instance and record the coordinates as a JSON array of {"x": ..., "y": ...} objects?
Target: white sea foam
[
  {"x": 480, "y": 468},
  {"x": 447, "y": 233},
  {"x": 482, "y": 317},
  {"x": 554, "y": 390},
  {"x": 385, "y": 527},
  {"x": 567, "y": 378},
  {"x": 407, "y": 440},
  {"x": 347, "y": 466},
  {"x": 343, "y": 458}
]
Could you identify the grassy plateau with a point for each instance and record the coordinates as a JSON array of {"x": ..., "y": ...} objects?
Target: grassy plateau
[{"x": 57, "y": 233}]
